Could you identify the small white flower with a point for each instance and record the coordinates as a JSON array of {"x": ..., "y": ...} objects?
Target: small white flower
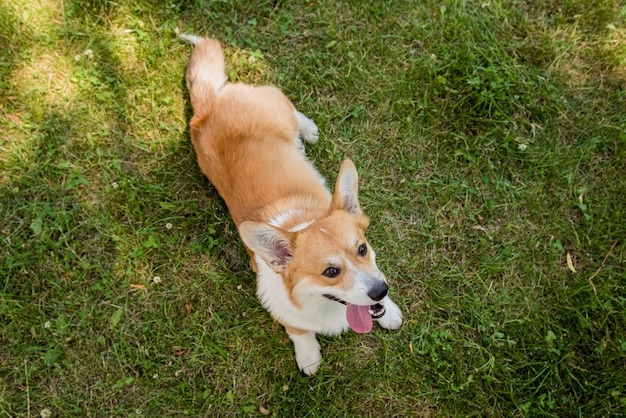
[
  {"x": 484, "y": 5},
  {"x": 156, "y": 279},
  {"x": 47, "y": 324},
  {"x": 88, "y": 53},
  {"x": 176, "y": 30},
  {"x": 45, "y": 413},
  {"x": 522, "y": 147},
  {"x": 168, "y": 226},
  {"x": 77, "y": 57},
  {"x": 156, "y": 375},
  {"x": 115, "y": 185}
]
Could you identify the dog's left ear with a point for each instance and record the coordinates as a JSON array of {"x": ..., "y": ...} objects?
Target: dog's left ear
[
  {"x": 274, "y": 245},
  {"x": 346, "y": 195}
]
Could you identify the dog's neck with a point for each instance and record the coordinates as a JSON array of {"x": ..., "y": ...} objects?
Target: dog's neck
[
  {"x": 292, "y": 220},
  {"x": 296, "y": 212}
]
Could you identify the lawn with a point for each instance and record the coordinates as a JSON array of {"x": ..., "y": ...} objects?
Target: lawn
[{"x": 490, "y": 140}]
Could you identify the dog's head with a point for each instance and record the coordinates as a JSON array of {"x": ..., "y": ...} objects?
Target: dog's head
[{"x": 329, "y": 258}]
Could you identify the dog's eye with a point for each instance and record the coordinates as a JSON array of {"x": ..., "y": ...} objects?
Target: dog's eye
[
  {"x": 362, "y": 250},
  {"x": 331, "y": 272}
]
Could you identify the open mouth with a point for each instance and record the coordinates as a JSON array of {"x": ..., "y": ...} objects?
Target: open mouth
[{"x": 360, "y": 318}]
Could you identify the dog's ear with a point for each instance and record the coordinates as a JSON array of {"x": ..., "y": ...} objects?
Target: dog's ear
[
  {"x": 274, "y": 245},
  {"x": 346, "y": 195}
]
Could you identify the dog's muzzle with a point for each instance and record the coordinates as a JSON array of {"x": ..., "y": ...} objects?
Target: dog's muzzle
[{"x": 377, "y": 310}]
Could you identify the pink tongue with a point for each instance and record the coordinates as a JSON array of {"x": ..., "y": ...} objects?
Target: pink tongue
[{"x": 359, "y": 318}]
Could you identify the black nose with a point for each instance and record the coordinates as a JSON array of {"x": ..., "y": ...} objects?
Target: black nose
[{"x": 378, "y": 291}]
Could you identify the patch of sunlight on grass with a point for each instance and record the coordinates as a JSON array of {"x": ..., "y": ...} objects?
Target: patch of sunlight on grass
[
  {"x": 39, "y": 15},
  {"x": 573, "y": 46},
  {"x": 615, "y": 45},
  {"x": 43, "y": 78},
  {"x": 124, "y": 44},
  {"x": 47, "y": 75}
]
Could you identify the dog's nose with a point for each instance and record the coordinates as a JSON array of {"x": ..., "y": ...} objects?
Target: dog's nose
[{"x": 378, "y": 291}]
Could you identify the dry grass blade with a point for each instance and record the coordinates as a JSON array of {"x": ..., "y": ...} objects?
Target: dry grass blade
[{"x": 593, "y": 276}]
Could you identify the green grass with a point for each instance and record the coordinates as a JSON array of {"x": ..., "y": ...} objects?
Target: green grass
[{"x": 490, "y": 138}]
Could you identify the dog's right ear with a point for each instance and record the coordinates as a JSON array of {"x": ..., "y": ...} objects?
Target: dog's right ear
[
  {"x": 346, "y": 194},
  {"x": 274, "y": 245}
]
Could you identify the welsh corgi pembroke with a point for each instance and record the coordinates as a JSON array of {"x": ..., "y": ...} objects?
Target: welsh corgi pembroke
[{"x": 315, "y": 271}]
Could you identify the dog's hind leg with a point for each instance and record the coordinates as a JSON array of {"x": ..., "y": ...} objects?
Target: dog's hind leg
[{"x": 307, "y": 131}]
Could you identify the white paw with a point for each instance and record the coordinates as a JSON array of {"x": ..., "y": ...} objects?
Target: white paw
[
  {"x": 309, "y": 365},
  {"x": 307, "y": 128},
  {"x": 393, "y": 316},
  {"x": 308, "y": 355},
  {"x": 310, "y": 133}
]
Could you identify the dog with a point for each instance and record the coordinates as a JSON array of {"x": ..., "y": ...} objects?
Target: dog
[{"x": 315, "y": 271}]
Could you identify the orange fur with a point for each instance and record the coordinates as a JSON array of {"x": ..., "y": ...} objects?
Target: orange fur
[
  {"x": 295, "y": 331},
  {"x": 253, "y": 130}
]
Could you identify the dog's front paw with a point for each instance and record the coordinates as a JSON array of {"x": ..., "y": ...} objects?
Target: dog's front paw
[
  {"x": 308, "y": 355},
  {"x": 393, "y": 316},
  {"x": 310, "y": 363}
]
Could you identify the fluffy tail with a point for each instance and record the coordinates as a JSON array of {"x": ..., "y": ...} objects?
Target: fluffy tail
[{"x": 205, "y": 71}]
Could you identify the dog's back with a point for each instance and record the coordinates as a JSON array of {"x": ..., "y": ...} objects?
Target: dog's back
[{"x": 239, "y": 131}]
